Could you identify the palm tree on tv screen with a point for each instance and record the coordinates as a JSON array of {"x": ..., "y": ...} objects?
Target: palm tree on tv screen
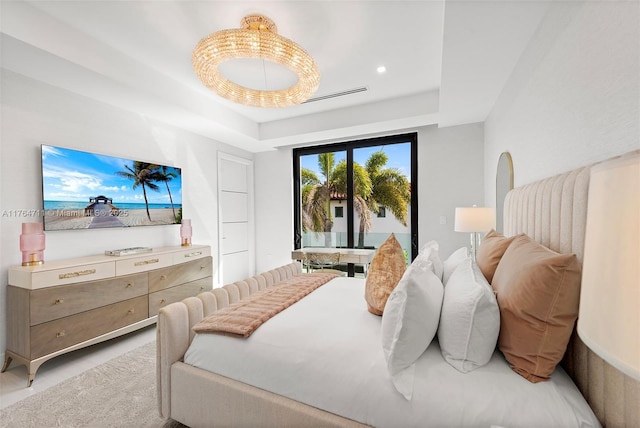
[
  {"x": 142, "y": 174},
  {"x": 165, "y": 177}
]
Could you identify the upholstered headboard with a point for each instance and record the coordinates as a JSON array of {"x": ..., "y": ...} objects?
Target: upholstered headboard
[{"x": 553, "y": 211}]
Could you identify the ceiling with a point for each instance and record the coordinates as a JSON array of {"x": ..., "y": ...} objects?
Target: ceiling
[{"x": 446, "y": 61}]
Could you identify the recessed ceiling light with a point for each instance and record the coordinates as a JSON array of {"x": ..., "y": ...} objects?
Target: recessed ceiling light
[{"x": 381, "y": 69}]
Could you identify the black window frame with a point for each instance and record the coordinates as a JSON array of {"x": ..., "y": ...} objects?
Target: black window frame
[{"x": 348, "y": 147}]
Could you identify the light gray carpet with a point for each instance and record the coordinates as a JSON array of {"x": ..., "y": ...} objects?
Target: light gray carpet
[{"x": 118, "y": 393}]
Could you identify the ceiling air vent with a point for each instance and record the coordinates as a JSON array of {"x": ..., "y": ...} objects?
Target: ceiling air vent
[{"x": 336, "y": 94}]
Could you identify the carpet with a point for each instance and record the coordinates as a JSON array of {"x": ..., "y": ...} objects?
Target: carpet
[{"x": 118, "y": 393}]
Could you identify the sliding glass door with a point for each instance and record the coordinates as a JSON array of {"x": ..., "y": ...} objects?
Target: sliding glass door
[
  {"x": 382, "y": 195},
  {"x": 322, "y": 190},
  {"x": 355, "y": 194}
]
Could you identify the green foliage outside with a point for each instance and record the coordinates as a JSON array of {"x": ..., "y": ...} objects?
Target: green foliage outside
[{"x": 374, "y": 186}]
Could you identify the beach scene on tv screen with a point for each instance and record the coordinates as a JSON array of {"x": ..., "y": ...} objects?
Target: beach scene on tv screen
[{"x": 83, "y": 190}]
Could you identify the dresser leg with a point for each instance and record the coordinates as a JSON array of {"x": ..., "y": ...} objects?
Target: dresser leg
[
  {"x": 31, "y": 368},
  {"x": 7, "y": 361}
]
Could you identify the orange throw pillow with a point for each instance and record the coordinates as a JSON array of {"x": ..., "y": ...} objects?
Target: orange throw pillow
[
  {"x": 490, "y": 252},
  {"x": 538, "y": 293},
  {"x": 386, "y": 270}
]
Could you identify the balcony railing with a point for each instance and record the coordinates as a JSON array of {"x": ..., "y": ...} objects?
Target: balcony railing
[{"x": 371, "y": 241}]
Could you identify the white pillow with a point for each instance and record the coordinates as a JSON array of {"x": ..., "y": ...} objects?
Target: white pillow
[
  {"x": 469, "y": 320},
  {"x": 431, "y": 251},
  {"x": 452, "y": 262},
  {"x": 410, "y": 322}
]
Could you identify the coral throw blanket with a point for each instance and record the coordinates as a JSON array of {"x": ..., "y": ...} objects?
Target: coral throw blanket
[{"x": 244, "y": 317}]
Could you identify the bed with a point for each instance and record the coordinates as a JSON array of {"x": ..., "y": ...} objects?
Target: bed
[{"x": 339, "y": 377}]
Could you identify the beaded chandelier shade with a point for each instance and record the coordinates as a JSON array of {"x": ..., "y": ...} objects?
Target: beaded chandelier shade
[{"x": 257, "y": 38}]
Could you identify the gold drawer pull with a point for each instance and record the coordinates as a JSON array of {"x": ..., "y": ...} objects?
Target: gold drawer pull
[
  {"x": 77, "y": 273},
  {"x": 129, "y": 285},
  {"x": 203, "y": 267},
  {"x": 163, "y": 277},
  {"x": 146, "y": 262},
  {"x": 202, "y": 288},
  {"x": 194, "y": 254},
  {"x": 61, "y": 333},
  {"x": 131, "y": 311},
  {"x": 58, "y": 301},
  {"x": 163, "y": 301}
]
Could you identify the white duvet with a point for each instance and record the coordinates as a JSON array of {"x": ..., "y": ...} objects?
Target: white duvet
[{"x": 326, "y": 351}]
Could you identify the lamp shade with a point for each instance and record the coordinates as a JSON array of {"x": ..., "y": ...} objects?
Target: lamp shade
[
  {"x": 185, "y": 232},
  {"x": 609, "y": 320},
  {"x": 474, "y": 219}
]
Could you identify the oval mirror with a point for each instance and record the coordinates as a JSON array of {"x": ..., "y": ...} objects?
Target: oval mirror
[{"x": 504, "y": 183}]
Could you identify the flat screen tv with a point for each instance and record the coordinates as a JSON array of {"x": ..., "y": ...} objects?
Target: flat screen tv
[{"x": 83, "y": 190}]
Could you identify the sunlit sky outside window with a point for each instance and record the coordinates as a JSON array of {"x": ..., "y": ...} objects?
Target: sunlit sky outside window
[{"x": 399, "y": 158}]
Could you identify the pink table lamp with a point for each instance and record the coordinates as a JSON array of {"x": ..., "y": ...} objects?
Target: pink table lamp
[
  {"x": 185, "y": 232},
  {"x": 32, "y": 242}
]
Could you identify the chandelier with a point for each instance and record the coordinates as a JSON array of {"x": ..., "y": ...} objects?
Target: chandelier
[{"x": 257, "y": 38}]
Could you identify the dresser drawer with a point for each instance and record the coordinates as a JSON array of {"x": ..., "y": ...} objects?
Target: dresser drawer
[
  {"x": 177, "y": 293},
  {"x": 191, "y": 254},
  {"x": 161, "y": 279},
  {"x": 62, "y": 333},
  {"x": 57, "y": 302},
  {"x": 71, "y": 275},
  {"x": 143, "y": 263}
]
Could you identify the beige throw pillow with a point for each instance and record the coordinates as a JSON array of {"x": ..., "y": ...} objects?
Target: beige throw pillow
[
  {"x": 490, "y": 252},
  {"x": 386, "y": 270},
  {"x": 538, "y": 292}
]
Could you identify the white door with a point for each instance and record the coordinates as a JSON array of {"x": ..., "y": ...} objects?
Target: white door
[{"x": 235, "y": 214}]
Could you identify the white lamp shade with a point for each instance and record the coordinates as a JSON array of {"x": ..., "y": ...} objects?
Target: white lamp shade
[
  {"x": 609, "y": 320},
  {"x": 474, "y": 219}
]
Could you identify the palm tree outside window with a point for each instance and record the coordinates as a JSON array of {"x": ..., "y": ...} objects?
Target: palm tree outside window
[{"x": 373, "y": 176}]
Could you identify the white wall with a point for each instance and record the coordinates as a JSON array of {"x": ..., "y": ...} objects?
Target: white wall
[
  {"x": 574, "y": 96},
  {"x": 450, "y": 174},
  {"x": 34, "y": 113},
  {"x": 274, "y": 208}
]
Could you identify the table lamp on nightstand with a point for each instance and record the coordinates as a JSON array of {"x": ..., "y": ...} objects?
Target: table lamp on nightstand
[{"x": 474, "y": 220}]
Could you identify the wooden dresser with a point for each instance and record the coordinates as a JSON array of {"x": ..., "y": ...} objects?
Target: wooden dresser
[{"x": 65, "y": 305}]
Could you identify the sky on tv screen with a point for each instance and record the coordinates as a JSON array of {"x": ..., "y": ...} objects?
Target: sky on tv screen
[{"x": 70, "y": 178}]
